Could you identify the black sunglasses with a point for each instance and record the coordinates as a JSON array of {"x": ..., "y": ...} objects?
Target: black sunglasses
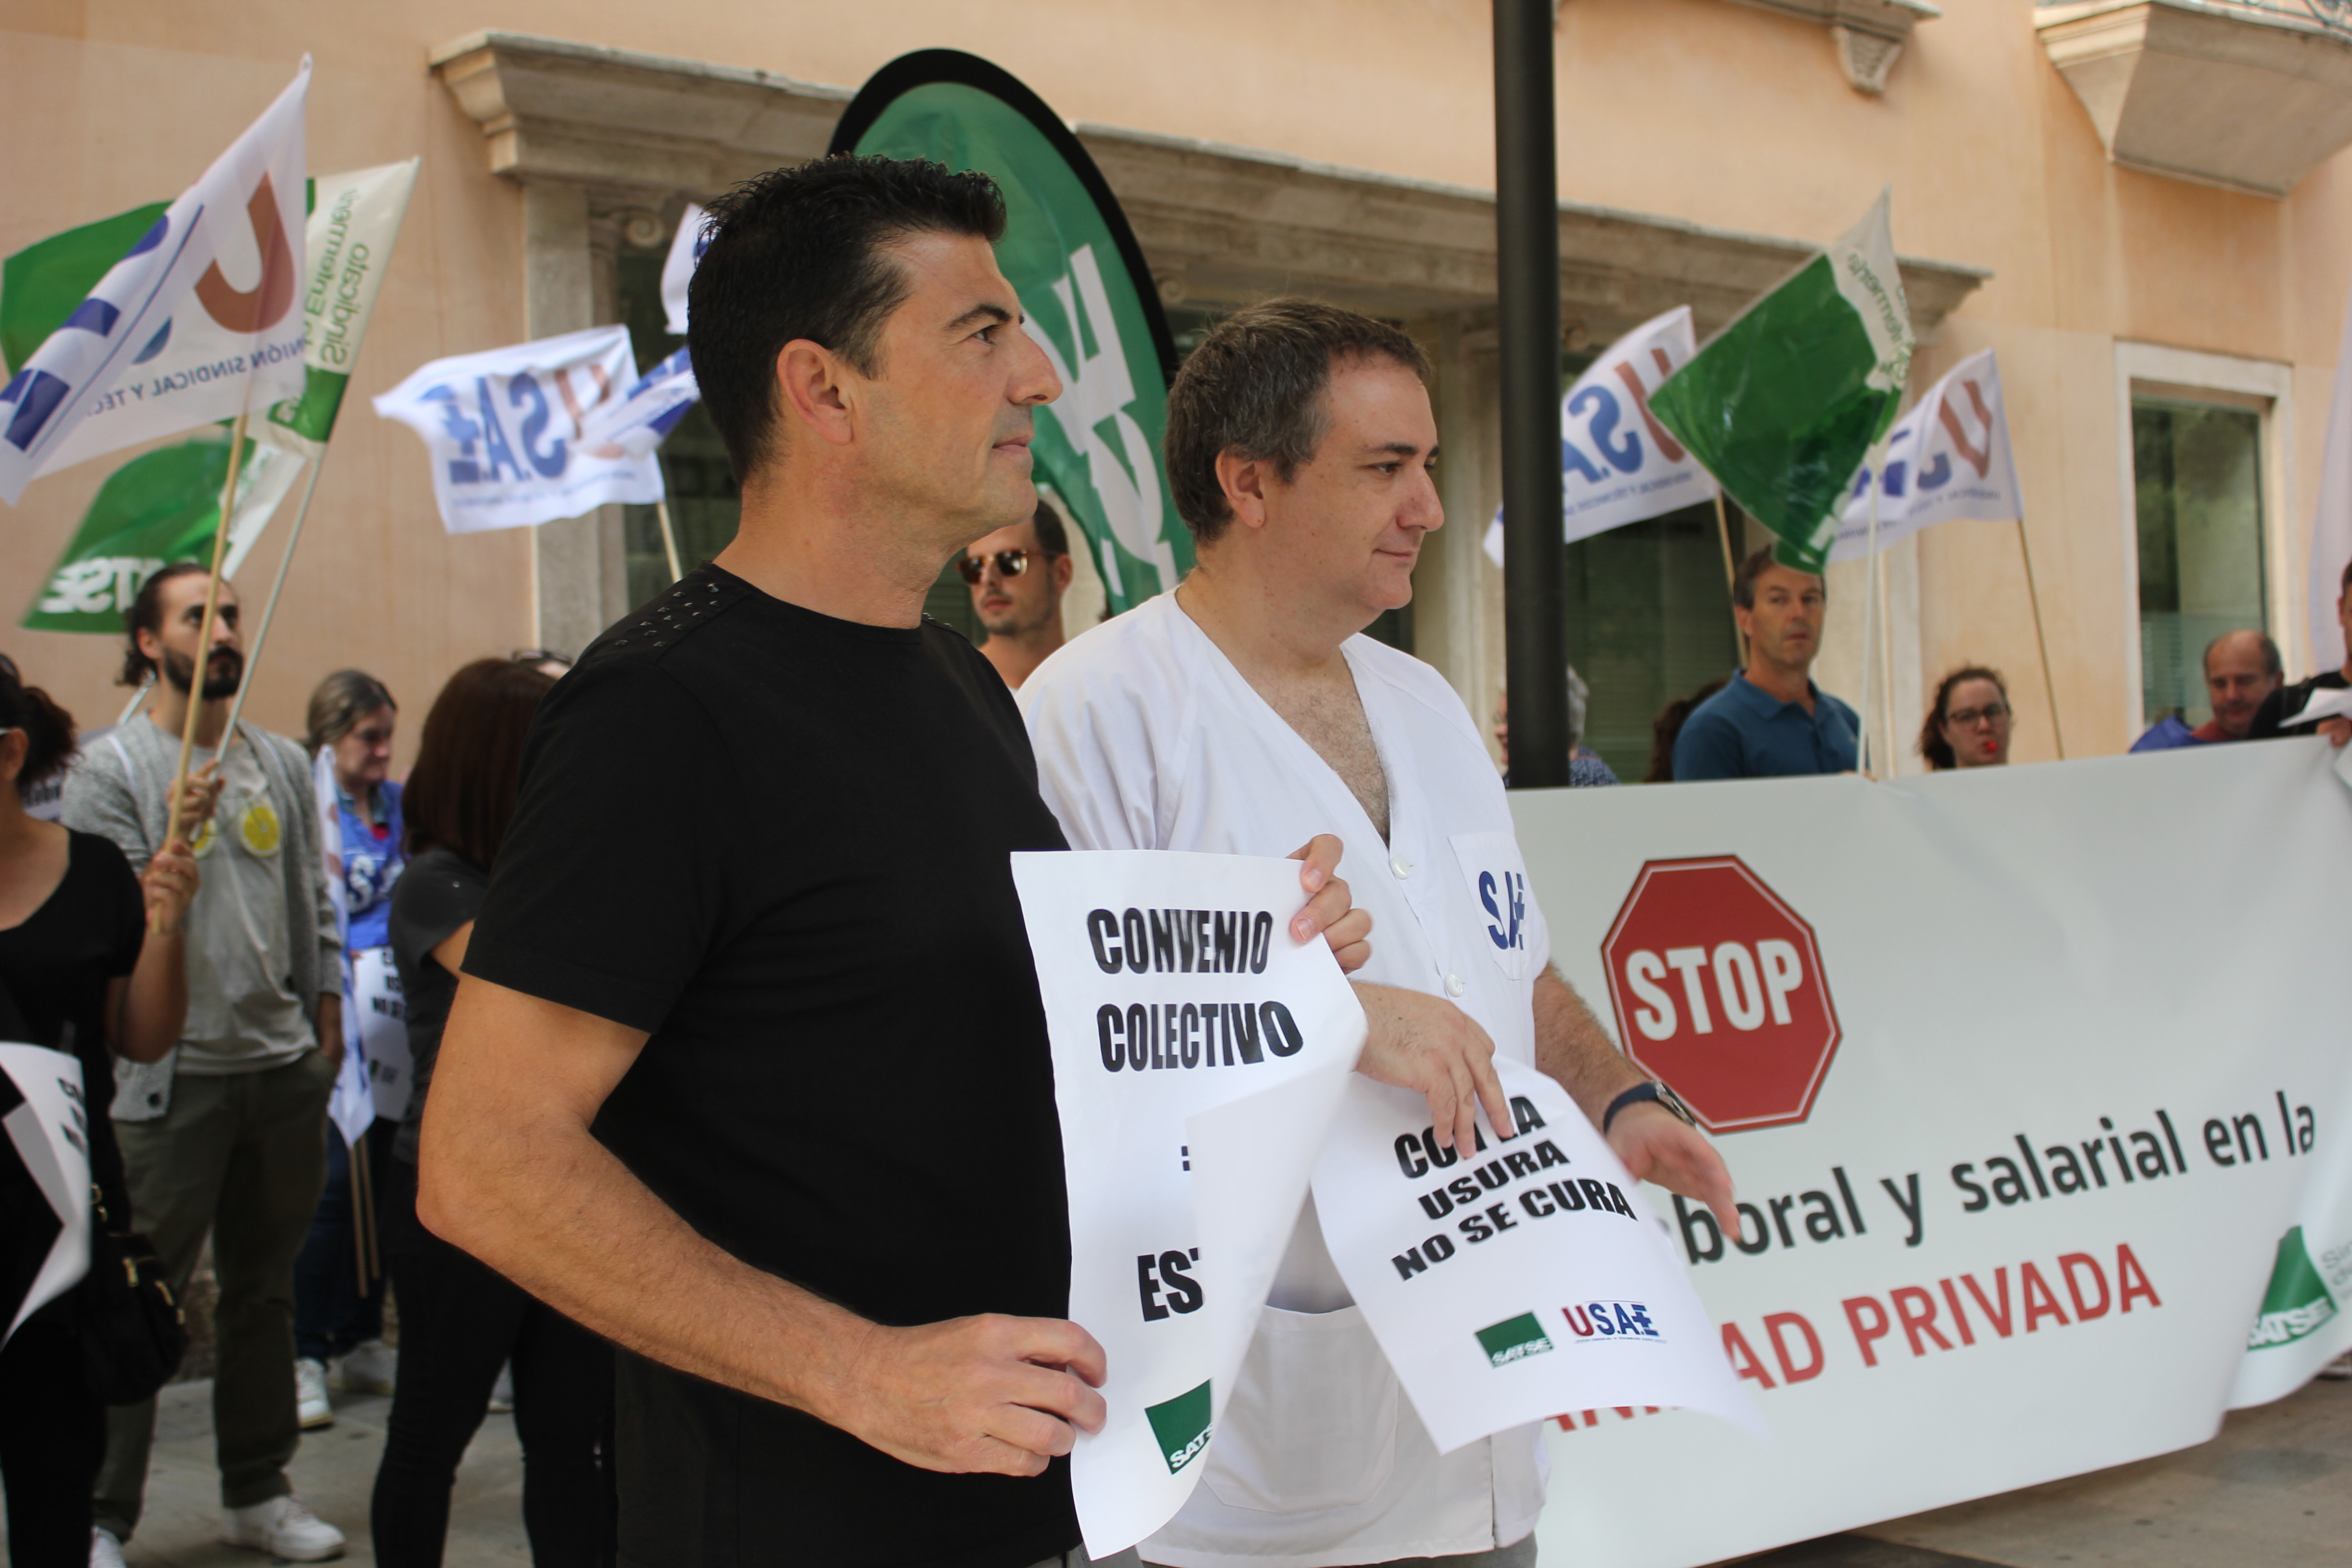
[{"x": 1009, "y": 563}]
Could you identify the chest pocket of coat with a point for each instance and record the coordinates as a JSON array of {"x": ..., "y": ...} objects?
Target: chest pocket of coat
[{"x": 1508, "y": 926}]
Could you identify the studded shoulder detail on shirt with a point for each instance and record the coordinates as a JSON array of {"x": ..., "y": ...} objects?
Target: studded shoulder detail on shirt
[{"x": 692, "y": 601}]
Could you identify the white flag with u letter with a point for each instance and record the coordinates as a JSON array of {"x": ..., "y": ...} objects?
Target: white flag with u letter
[
  {"x": 1947, "y": 458},
  {"x": 197, "y": 324}
]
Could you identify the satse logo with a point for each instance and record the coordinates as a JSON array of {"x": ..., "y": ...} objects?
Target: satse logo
[
  {"x": 1719, "y": 991},
  {"x": 1513, "y": 1339}
]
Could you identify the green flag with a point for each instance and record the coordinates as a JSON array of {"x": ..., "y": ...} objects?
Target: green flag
[
  {"x": 42, "y": 284},
  {"x": 1784, "y": 404},
  {"x": 1090, "y": 300},
  {"x": 160, "y": 507}
]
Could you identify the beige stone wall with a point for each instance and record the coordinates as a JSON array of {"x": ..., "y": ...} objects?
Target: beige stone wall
[{"x": 1696, "y": 109}]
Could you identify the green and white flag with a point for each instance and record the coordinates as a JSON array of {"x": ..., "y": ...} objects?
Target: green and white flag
[
  {"x": 355, "y": 219},
  {"x": 160, "y": 507},
  {"x": 1784, "y": 404},
  {"x": 1090, "y": 299}
]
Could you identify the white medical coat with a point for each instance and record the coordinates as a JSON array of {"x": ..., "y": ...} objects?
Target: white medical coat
[{"x": 1148, "y": 738}]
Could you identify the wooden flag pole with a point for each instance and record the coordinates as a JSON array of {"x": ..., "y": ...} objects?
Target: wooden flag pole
[
  {"x": 204, "y": 637},
  {"x": 1869, "y": 613},
  {"x": 1730, "y": 574},
  {"x": 270, "y": 610},
  {"x": 2041, "y": 641},
  {"x": 1886, "y": 661},
  {"x": 669, "y": 540},
  {"x": 357, "y": 1149},
  {"x": 132, "y": 707}
]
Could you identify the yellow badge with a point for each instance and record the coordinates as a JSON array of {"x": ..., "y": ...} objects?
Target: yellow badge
[
  {"x": 259, "y": 828},
  {"x": 206, "y": 840}
]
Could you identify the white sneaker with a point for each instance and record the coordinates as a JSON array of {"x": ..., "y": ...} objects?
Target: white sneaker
[
  {"x": 283, "y": 1527},
  {"x": 311, "y": 1395},
  {"x": 368, "y": 1369},
  {"x": 105, "y": 1552},
  {"x": 502, "y": 1391}
]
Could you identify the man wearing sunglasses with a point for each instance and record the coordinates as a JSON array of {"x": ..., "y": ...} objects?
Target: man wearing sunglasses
[{"x": 1018, "y": 575}]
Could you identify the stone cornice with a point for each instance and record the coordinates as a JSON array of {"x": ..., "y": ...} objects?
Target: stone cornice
[{"x": 1219, "y": 224}]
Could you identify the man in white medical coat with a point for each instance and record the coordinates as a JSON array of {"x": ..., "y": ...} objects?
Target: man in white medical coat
[{"x": 1242, "y": 713}]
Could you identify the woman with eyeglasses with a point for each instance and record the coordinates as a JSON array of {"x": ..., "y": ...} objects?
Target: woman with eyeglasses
[
  {"x": 1968, "y": 725},
  {"x": 93, "y": 960}
]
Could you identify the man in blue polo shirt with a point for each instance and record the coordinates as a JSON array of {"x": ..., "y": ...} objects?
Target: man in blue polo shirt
[{"x": 1770, "y": 720}]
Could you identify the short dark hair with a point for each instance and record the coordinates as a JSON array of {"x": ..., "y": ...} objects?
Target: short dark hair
[
  {"x": 798, "y": 252},
  {"x": 1256, "y": 386},
  {"x": 146, "y": 614},
  {"x": 342, "y": 700},
  {"x": 1932, "y": 744},
  {"x": 461, "y": 792},
  {"x": 1052, "y": 538},
  {"x": 48, "y": 729},
  {"x": 2272, "y": 663},
  {"x": 1743, "y": 582}
]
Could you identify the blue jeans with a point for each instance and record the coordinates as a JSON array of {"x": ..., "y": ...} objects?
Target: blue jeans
[{"x": 330, "y": 1313}]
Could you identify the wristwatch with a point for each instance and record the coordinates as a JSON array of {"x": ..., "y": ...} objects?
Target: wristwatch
[{"x": 1652, "y": 1091}]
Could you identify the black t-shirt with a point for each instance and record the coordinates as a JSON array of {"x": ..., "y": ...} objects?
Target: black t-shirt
[
  {"x": 55, "y": 967},
  {"x": 2289, "y": 701},
  {"x": 777, "y": 841},
  {"x": 440, "y": 891}
]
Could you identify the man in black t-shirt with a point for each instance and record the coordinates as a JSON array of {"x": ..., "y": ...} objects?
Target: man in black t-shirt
[
  {"x": 749, "y": 1071},
  {"x": 2289, "y": 701}
]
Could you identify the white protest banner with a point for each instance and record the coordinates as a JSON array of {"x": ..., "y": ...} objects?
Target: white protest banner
[
  {"x": 383, "y": 1031},
  {"x": 504, "y": 430},
  {"x": 2030, "y": 1146},
  {"x": 1532, "y": 1279},
  {"x": 49, "y": 1129},
  {"x": 1947, "y": 458},
  {"x": 2331, "y": 523},
  {"x": 195, "y": 324},
  {"x": 2322, "y": 704},
  {"x": 1617, "y": 464},
  {"x": 376, "y": 1078},
  {"x": 1199, "y": 1053},
  {"x": 350, "y": 1104},
  {"x": 642, "y": 418},
  {"x": 685, "y": 249}
]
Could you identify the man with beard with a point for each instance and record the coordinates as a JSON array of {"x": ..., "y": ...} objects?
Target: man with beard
[{"x": 227, "y": 1135}]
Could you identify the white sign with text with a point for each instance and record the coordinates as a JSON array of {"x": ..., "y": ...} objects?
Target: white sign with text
[{"x": 1199, "y": 1055}]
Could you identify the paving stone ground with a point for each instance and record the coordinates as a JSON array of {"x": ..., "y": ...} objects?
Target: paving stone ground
[{"x": 2271, "y": 1489}]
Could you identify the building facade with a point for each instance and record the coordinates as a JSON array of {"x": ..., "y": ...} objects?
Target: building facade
[{"x": 2138, "y": 203}]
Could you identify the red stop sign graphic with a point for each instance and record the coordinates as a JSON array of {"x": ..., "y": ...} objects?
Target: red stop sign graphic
[{"x": 1719, "y": 992}]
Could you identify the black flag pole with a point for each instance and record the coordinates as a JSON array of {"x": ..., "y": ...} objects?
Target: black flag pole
[{"x": 1527, "y": 260}]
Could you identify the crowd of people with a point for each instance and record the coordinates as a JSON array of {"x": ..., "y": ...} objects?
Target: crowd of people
[{"x": 680, "y": 943}]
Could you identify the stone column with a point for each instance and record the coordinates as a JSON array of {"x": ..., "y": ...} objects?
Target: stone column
[{"x": 578, "y": 571}]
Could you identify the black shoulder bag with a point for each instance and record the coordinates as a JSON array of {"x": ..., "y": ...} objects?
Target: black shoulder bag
[{"x": 133, "y": 1335}]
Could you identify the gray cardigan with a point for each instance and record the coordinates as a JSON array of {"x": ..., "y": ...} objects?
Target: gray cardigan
[{"x": 117, "y": 787}]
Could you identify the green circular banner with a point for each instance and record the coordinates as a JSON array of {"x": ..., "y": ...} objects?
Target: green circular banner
[{"x": 1089, "y": 300}]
